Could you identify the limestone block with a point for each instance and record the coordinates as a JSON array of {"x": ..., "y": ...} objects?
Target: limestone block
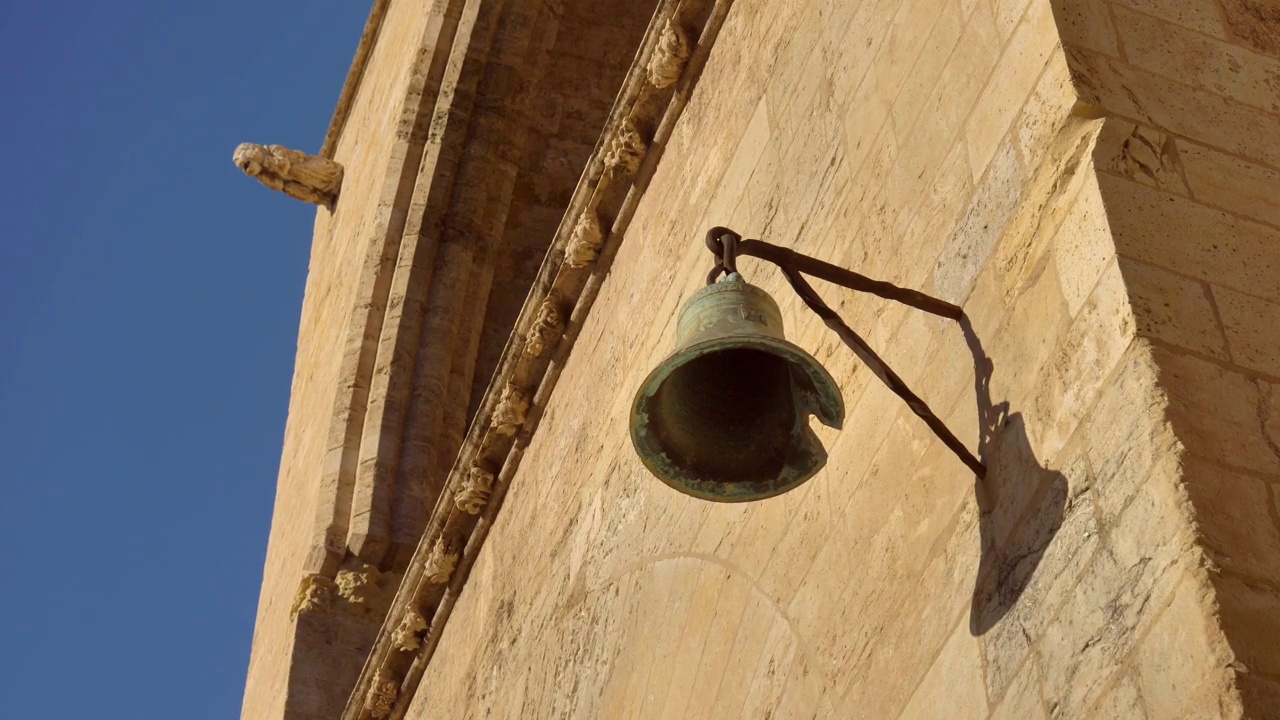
[
  {"x": 916, "y": 87},
  {"x": 1182, "y": 663},
  {"x": 1007, "y": 14},
  {"x": 1047, "y": 199},
  {"x": 953, "y": 686},
  {"x": 1218, "y": 414},
  {"x": 1173, "y": 308},
  {"x": 963, "y": 78},
  {"x": 1141, "y": 154},
  {"x": 994, "y": 201},
  {"x": 1045, "y": 111},
  {"x": 1081, "y": 648},
  {"x": 1082, "y": 246},
  {"x": 1087, "y": 24},
  {"x": 1231, "y": 183},
  {"x": 1192, "y": 239},
  {"x": 1122, "y": 700},
  {"x": 1022, "y": 700},
  {"x": 1252, "y": 327},
  {"x": 1013, "y": 79},
  {"x": 1234, "y": 513},
  {"x": 1092, "y": 348},
  {"x": 1251, "y": 619},
  {"x": 1199, "y": 16},
  {"x": 1189, "y": 57},
  {"x": 1185, "y": 110},
  {"x": 1255, "y": 22},
  {"x": 1036, "y": 322}
]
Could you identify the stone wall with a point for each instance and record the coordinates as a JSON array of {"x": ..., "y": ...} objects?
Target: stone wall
[
  {"x": 1188, "y": 171},
  {"x": 305, "y": 506},
  {"x": 1114, "y": 374},
  {"x": 463, "y": 113}
]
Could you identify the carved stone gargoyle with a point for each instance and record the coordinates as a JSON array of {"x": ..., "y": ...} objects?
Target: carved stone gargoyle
[{"x": 306, "y": 177}]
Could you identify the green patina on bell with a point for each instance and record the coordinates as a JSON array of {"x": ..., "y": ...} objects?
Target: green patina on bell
[{"x": 726, "y": 416}]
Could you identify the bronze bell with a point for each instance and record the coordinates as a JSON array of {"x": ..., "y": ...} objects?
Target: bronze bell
[{"x": 726, "y": 416}]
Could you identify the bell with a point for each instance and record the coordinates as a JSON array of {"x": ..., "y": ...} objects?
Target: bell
[{"x": 726, "y": 416}]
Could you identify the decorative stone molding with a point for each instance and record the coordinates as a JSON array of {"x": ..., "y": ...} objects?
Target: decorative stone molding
[
  {"x": 315, "y": 594},
  {"x": 669, "y": 57},
  {"x": 382, "y": 697},
  {"x": 626, "y": 150},
  {"x": 492, "y": 440},
  {"x": 546, "y": 328},
  {"x": 358, "y": 586},
  {"x": 474, "y": 494},
  {"x": 306, "y": 177},
  {"x": 440, "y": 564},
  {"x": 509, "y": 415},
  {"x": 584, "y": 244},
  {"x": 406, "y": 636}
]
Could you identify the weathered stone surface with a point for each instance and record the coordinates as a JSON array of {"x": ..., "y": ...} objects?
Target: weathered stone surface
[
  {"x": 1251, "y": 619},
  {"x": 1196, "y": 240},
  {"x": 1256, "y": 22},
  {"x": 1182, "y": 662},
  {"x": 1235, "y": 514},
  {"x": 1190, "y": 111},
  {"x": 1141, "y": 154},
  {"x": 1219, "y": 414},
  {"x": 1231, "y": 183},
  {"x": 1252, "y": 328},
  {"x": 1190, "y": 57},
  {"x": 1122, "y": 700},
  {"x": 1173, "y": 308},
  {"x": 932, "y": 143}
]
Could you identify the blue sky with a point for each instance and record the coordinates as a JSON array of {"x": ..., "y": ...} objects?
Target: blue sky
[{"x": 149, "y": 300}]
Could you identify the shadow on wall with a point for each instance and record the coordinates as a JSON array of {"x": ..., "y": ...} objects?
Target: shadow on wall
[{"x": 1021, "y": 503}]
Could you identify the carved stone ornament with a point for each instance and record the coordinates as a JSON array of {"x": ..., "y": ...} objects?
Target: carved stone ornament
[
  {"x": 626, "y": 150},
  {"x": 668, "y": 59},
  {"x": 546, "y": 328},
  {"x": 315, "y": 594},
  {"x": 381, "y": 697},
  {"x": 511, "y": 411},
  {"x": 440, "y": 564},
  {"x": 475, "y": 491},
  {"x": 357, "y": 586},
  {"x": 306, "y": 177},
  {"x": 584, "y": 244},
  {"x": 406, "y": 636}
]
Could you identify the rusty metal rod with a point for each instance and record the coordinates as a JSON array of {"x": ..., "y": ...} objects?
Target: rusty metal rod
[
  {"x": 814, "y": 267},
  {"x": 881, "y": 369},
  {"x": 726, "y": 245}
]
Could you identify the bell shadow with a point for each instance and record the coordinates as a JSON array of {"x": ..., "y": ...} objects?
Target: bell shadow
[{"x": 1021, "y": 503}]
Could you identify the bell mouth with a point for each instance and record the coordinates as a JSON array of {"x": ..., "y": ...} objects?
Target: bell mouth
[{"x": 727, "y": 420}]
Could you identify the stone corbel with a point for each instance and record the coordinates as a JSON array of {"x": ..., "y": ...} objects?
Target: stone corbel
[
  {"x": 440, "y": 564},
  {"x": 475, "y": 491},
  {"x": 512, "y": 408},
  {"x": 626, "y": 150},
  {"x": 407, "y": 636},
  {"x": 315, "y": 594},
  {"x": 669, "y": 57},
  {"x": 308, "y": 178},
  {"x": 584, "y": 244},
  {"x": 382, "y": 697},
  {"x": 546, "y": 328}
]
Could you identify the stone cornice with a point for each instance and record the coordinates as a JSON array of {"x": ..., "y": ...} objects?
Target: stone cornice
[
  {"x": 368, "y": 37},
  {"x": 559, "y": 301}
]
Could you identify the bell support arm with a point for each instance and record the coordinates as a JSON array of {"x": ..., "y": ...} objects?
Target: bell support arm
[{"x": 726, "y": 245}]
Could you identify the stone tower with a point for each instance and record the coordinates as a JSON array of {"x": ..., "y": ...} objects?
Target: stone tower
[{"x": 511, "y": 202}]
